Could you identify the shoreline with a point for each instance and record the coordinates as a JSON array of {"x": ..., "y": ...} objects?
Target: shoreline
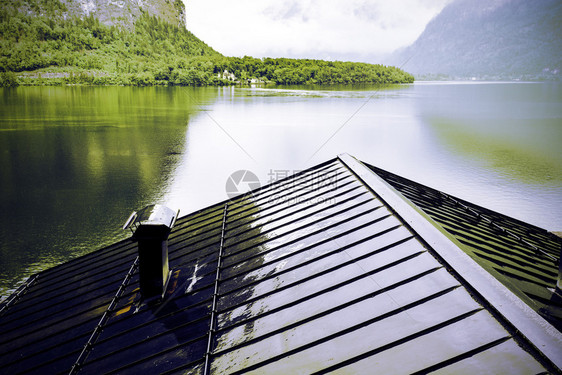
[{"x": 99, "y": 78}]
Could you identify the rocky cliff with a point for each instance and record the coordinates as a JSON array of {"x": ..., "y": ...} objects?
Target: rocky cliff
[{"x": 109, "y": 12}]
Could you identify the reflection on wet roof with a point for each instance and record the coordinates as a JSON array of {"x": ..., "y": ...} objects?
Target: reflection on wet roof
[
  {"x": 316, "y": 273},
  {"x": 523, "y": 257}
]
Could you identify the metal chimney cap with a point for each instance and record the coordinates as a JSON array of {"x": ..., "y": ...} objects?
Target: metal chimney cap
[{"x": 152, "y": 215}]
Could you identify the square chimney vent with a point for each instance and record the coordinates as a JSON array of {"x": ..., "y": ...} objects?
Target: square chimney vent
[{"x": 151, "y": 227}]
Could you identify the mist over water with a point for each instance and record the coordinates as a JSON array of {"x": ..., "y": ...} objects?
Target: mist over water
[{"x": 75, "y": 161}]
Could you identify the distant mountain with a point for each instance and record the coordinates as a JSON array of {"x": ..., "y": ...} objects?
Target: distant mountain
[{"x": 489, "y": 39}]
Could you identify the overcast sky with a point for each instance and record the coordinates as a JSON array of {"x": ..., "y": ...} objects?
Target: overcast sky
[{"x": 355, "y": 30}]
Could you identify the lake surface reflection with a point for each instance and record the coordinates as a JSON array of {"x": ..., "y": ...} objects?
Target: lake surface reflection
[{"x": 75, "y": 161}]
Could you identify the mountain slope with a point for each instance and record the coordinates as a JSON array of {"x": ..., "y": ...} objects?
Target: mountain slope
[
  {"x": 58, "y": 38},
  {"x": 489, "y": 39},
  {"x": 83, "y": 42},
  {"x": 108, "y": 12}
]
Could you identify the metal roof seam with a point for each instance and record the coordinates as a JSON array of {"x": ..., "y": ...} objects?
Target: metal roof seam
[
  {"x": 333, "y": 309},
  {"x": 100, "y": 305},
  {"x": 466, "y": 355},
  {"x": 401, "y": 341},
  {"x": 11, "y": 300},
  {"x": 212, "y": 318},
  {"x": 312, "y": 198},
  {"x": 88, "y": 346},
  {"x": 301, "y": 218},
  {"x": 366, "y": 323},
  {"x": 339, "y": 285},
  {"x": 271, "y": 217},
  {"x": 283, "y": 181},
  {"x": 60, "y": 271},
  {"x": 92, "y": 320},
  {"x": 45, "y": 297},
  {"x": 301, "y": 186},
  {"x": 535, "y": 230},
  {"x": 331, "y": 288},
  {"x": 310, "y": 261},
  {"x": 311, "y": 233},
  {"x": 84, "y": 259}
]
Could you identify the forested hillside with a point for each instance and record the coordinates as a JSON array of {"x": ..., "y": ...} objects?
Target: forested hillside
[
  {"x": 47, "y": 45},
  {"x": 304, "y": 71}
]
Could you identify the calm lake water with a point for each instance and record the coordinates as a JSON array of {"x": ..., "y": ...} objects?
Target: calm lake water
[{"x": 75, "y": 161}]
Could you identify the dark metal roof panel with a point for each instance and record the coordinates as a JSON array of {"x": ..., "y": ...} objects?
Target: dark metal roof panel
[
  {"x": 533, "y": 327},
  {"x": 311, "y": 274},
  {"x": 523, "y": 257}
]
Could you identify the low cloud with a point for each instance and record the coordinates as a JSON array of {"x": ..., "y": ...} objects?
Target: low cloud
[
  {"x": 358, "y": 30},
  {"x": 284, "y": 11}
]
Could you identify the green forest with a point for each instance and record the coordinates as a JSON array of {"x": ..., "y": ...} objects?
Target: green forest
[{"x": 51, "y": 50}]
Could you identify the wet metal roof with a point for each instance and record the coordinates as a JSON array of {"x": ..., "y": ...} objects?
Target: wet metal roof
[
  {"x": 521, "y": 256},
  {"x": 328, "y": 270}
]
